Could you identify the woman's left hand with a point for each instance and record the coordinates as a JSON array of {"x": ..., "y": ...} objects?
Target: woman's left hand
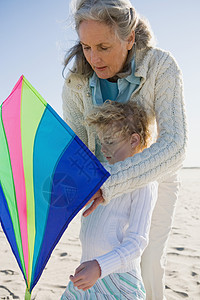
[
  {"x": 86, "y": 275},
  {"x": 97, "y": 199}
]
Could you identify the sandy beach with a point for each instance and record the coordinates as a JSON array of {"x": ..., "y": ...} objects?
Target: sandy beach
[{"x": 183, "y": 253}]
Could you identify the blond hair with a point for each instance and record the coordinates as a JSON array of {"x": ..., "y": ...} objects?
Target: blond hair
[
  {"x": 127, "y": 118},
  {"x": 119, "y": 15}
]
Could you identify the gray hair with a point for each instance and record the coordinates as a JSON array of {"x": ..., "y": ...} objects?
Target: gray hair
[{"x": 120, "y": 15}]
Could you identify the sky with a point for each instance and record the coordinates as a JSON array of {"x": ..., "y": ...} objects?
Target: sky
[{"x": 35, "y": 35}]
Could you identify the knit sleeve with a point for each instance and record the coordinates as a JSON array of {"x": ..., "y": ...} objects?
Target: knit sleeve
[
  {"x": 136, "y": 236},
  {"x": 73, "y": 112},
  {"x": 166, "y": 155}
]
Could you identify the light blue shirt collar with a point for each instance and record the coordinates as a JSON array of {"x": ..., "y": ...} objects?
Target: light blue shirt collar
[{"x": 126, "y": 86}]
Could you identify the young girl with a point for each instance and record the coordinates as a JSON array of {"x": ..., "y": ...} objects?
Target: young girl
[{"x": 114, "y": 236}]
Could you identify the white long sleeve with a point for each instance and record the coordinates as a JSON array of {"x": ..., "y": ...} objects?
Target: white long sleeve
[{"x": 117, "y": 234}]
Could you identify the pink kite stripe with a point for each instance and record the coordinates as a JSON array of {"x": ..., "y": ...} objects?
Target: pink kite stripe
[{"x": 11, "y": 109}]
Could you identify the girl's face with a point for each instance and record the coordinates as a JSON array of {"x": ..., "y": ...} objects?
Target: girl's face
[
  {"x": 103, "y": 50},
  {"x": 116, "y": 148}
]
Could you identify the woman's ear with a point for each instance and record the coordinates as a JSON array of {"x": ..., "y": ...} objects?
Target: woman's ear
[
  {"x": 131, "y": 40},
  {"x": 135, "y": 140}
]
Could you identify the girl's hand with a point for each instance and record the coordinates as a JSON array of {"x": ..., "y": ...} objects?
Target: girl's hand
[
  {"x": 86, "y": 275},
  {"x": 97, "y": 199}
]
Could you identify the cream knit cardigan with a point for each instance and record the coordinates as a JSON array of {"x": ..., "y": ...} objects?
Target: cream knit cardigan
[{"x": 161, "y": 94}]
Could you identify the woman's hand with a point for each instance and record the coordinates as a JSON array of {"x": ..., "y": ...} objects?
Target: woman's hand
[
  {"x": 86, "y": 275},
  {"x": 97, "y": 199}
]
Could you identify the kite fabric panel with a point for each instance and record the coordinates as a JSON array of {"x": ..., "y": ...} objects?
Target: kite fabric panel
[{"x": 47, "y": 175}]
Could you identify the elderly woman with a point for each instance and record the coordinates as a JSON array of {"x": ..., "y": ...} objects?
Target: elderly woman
[{"x": 115, "y": 59}]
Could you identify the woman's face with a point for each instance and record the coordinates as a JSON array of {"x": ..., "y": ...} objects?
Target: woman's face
[{"x": 103, "y": 49}]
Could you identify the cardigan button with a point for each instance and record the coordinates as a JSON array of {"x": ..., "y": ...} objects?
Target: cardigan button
[
  {"x": 88, "y": 94},
  {"x": 79, "y": 86}
]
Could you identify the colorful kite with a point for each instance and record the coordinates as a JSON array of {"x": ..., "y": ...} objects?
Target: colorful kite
[{"x": 46, "y": 176}]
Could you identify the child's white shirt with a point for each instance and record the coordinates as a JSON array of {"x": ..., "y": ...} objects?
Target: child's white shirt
[{"x": 117, "y": 234}]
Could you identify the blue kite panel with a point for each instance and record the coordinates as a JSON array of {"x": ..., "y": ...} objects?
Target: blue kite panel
[
  {"x": 77, "y": 178},
  {"x": 7, "y": 226},
  {"x": 51, "y": 140}
]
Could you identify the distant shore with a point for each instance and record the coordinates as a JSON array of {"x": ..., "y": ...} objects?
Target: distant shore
[{"x": 191, "y": 168}]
